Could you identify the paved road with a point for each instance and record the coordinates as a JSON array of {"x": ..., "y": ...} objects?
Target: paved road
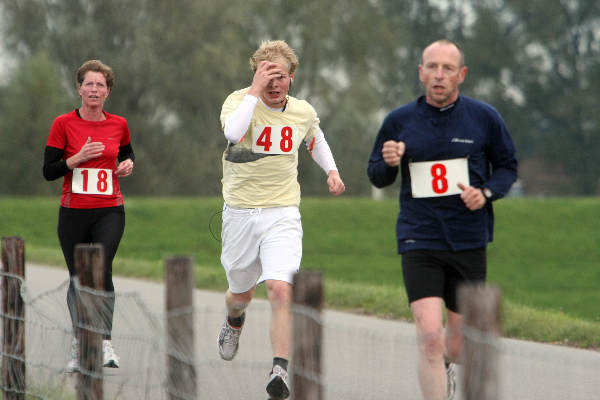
[{"x": 365, "y": 358}]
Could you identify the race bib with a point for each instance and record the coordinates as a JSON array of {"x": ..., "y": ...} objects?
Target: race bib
[
  {"x": 438, "y": 178},
  {"x": 92, "y": 181},
  {"x": 275, "y": 139}
]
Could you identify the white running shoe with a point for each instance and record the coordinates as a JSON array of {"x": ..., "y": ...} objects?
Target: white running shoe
[
  {"x": 73, "y": 364},
  {"x": 451, "y": 380},
  {"x": 110, "y": 359},
  {"x": 278, "y": 386},
  {"x": 229, "y": 340}
]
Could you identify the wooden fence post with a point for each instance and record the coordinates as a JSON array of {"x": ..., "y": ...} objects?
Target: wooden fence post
[
  {"x": 13, "y": 321},
  {"x": 482, "y": 325},
  {"x": 89, "y": 270},
  {"x": 181, "y": 370},
  {"x": 307, "y": 336}
]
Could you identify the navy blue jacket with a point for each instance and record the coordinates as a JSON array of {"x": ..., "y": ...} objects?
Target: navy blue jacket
[{"x": 471, "y": 129}]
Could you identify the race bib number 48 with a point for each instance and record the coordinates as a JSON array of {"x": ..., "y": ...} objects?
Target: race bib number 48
[
  {"x": 438, "y": 178},
  {"x": 272, "y": 139},
  {"x": 92, "y": 181}
]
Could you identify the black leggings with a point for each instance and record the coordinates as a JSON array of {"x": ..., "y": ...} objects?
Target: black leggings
[{"x": 97, "y": 225}]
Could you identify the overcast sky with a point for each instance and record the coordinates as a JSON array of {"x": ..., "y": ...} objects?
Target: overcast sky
[{"x": 5, "y": 62}]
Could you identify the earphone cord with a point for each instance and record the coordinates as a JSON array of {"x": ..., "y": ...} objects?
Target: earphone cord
[{"x": 210, "y": 226}]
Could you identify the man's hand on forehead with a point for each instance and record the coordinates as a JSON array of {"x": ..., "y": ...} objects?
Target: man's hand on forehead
[
  {"x": 275, "y": 68},
  {"x": 266, "y": 71},
  {"x": 271, "y": 68}
]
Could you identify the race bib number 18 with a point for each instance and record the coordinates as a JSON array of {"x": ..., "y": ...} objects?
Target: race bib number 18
[
  {"x": 438, "y": 178},
  {"x": 92, "y": 181},
  {"x": 273, "y": 139}
]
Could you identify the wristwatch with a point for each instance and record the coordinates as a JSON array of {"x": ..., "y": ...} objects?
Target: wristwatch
[{"x": 487, "y": 193}]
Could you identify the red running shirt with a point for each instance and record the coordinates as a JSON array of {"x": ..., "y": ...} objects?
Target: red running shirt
[{"x": 69, "y": 132}]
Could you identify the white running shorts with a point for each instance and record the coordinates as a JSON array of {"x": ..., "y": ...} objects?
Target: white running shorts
[{"x": 259, "y": 244}]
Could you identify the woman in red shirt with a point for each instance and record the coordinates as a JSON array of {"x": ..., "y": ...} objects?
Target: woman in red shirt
[{"x": 91, "y": 149}]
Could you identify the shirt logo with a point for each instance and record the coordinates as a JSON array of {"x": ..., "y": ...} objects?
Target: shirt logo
[{"x": 459, "y": 140}]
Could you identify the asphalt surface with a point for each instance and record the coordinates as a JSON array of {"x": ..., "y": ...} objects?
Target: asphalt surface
[{"x": 364, "y": 357}]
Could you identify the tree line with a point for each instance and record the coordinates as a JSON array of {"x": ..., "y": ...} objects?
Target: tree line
[{"x": 537, "y": 62}]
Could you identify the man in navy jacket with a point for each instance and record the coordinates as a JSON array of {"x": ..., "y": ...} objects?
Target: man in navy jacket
[{"x": 455, "y": 156}]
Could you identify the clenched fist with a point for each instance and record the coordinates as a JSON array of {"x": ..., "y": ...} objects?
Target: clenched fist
[{"x": 392, "y": 152}]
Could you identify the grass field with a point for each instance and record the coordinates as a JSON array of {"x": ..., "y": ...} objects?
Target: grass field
[{"x": 545, "y": 256}]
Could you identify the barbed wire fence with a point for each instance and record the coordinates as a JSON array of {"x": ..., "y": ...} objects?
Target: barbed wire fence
[
  {"x": 172, "y": 354},
  {"x": 160, "y": 350},
  {"x": 47, "y": 331},
  {"x": 13, "y": 320}
]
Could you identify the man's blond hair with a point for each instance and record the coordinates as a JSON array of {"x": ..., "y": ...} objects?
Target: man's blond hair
[{"x": 271, "y": 50}]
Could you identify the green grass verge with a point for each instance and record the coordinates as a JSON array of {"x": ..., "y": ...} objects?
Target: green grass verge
[{"x": 545, "y": 255}]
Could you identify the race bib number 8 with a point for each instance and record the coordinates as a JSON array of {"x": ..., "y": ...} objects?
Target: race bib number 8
[
  {"x": 92, "y": 181},
  {"x": 438, "y": 178},
  {"x": 273, "y": 139}
]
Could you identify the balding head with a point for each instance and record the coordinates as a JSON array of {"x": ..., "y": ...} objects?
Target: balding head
[{"x": 445, "y": 42}]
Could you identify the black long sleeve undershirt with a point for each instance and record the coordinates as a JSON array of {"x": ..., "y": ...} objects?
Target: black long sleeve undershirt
[
  {"x": 126, "y": 152},
  {"x": 55, "y": 167}
]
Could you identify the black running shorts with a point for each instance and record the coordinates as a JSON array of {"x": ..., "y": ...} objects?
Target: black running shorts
[{"x": 433, "y": 273}]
